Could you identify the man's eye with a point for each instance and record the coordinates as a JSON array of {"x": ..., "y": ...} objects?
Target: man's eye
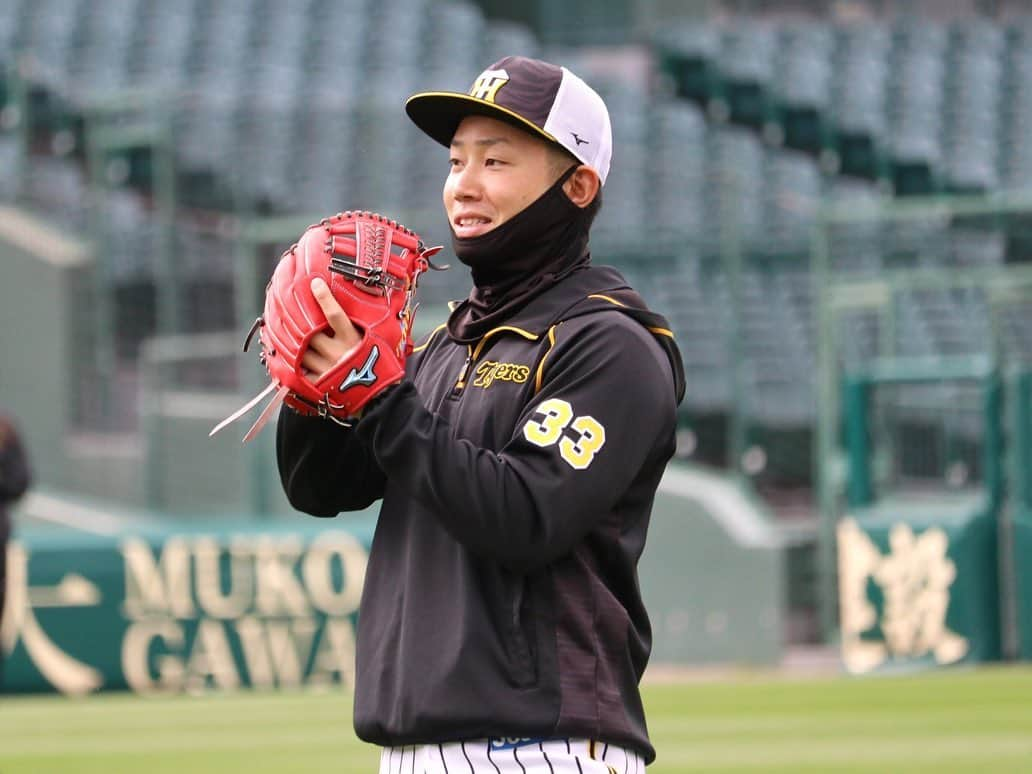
[{"x": 493, "y": 162}]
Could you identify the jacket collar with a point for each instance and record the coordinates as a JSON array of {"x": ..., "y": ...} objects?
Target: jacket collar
[{"x": 588, "y": 290}]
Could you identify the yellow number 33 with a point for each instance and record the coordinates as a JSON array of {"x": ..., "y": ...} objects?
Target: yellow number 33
[{"x": 556, "y": 416}]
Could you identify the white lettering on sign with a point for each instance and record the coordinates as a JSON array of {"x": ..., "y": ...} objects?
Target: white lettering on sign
[
  {"x": 264, "y": 610},
  {"x": 334, "y": 549},
  {"x": 158, "y": 585},
  {"x": 63, "y": 671},
  {"x": 161, "y": 636},
  {"x": 914, "y": 578},
  {"x": 215, "y": 600}
]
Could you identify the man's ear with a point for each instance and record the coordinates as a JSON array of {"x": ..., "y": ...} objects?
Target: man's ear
[{"x": 582, "y": 186}]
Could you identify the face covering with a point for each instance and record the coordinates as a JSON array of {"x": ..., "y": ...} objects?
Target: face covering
[{"x": 519, "y": 259}]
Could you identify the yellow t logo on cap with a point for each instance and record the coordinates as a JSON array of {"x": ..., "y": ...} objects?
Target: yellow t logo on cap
[{"x": 487, "y": 85}]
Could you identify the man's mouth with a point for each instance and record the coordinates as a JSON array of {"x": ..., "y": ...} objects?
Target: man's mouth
[{"x": 471, "y": 225}]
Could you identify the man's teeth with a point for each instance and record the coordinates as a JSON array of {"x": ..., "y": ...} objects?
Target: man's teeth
[{"x": 471, "y": 221}]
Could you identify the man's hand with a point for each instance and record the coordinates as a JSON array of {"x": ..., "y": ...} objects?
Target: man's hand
[{"x": 327, "y": 349}]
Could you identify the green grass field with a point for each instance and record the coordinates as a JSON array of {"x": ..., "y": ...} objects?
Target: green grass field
[{"x": 948, "y": 721}]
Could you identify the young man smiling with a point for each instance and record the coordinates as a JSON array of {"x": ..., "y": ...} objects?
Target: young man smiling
[{"x": 501, "y": 625}]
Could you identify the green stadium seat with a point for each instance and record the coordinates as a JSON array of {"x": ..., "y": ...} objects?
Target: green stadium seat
[
  {"x": 858, "y": 100},
  {"x": 802, "y": 85},
  {"x": 747, "y": 65}
]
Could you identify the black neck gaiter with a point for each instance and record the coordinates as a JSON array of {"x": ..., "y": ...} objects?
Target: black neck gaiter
[{"x": 519, "y": 259}]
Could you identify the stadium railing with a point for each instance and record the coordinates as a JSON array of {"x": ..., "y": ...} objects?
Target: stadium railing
[{"x": 932, "y": 439}]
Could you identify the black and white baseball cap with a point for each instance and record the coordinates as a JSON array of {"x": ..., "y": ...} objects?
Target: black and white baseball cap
[{"x": 542, "y": 98}]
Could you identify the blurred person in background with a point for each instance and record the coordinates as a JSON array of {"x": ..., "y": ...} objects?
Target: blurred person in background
[
  {"x": 501, "y": 626},
  {"x": 14, "y": 481}
]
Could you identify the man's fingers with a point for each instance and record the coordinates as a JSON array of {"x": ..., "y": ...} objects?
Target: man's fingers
[
  {"x": 326, "y": 349},
  {"x": 335, "y": 316},
  {"x": 315, "y": 363}
]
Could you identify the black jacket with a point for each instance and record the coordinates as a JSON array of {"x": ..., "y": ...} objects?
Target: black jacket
[
  {"x": 517, "y": 477},
  {"x": 15, "y": 476}
]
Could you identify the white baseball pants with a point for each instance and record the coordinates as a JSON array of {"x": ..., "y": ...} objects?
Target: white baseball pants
[{"x": 511, "y": 756}]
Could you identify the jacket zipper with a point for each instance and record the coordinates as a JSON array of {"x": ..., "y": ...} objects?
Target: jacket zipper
[{"x": 460, "y": 384}]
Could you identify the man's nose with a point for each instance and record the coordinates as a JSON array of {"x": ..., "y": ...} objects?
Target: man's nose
[{"x": 467, "y": 183}]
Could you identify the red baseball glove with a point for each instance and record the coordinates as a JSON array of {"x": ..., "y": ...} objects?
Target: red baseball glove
[{"x": 372, "y": 266}]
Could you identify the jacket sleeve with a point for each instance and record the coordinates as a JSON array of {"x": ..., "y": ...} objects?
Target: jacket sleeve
[
  {"x": 15, "y": 476},
  {"x": 325, "y": 468},
  {"x": 605, "y": 411}
]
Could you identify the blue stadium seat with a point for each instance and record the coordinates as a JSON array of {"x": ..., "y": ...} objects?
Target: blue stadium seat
[
  {"x": 803, "y": 64},
  {"x": 677, "y": 168},
  {"x": 205, "y": 131},
  {"x": 159, "y": 52},
  {"x": 735, "y": 185},
  {"x": 277, "y": 49},
  {"x": 628, "y": 181},
  {"x": 101, "y": 47},
  {"x": 319, "y": 176},
  {"x": 856, "y": 247},
  {"x": 10, "y": 27},
  {"x": 504, "y": 38},
  {"x": 973, "y": 106},
  {"x": 222, "y": 30},
  {"x": 1015, "y": 323},
  {"x": 916, "y": 97},
  {"x": 391, "y": 66},
  {"x": 448, "y": 61},
  {"x": 791, "y": 195},
  {"x": 1015, "y": 165},
  {"x": 333, "y": 53},
  {"x": 860, "y": 78},
  {"x": 46, "y": 35}
]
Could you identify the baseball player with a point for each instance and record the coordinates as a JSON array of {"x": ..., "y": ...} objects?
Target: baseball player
[
  {"x": 501, "y": 624},
  {"x": 15, "y": 478}
]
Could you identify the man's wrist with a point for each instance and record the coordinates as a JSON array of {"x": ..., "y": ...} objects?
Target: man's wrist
[{"x": 376, "y": 402}]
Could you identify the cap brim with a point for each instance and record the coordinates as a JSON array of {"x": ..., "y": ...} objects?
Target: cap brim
[{"x": 439, "y": 113}]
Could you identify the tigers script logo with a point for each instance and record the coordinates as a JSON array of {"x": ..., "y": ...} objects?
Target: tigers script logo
[{"x": 491, "y": 370}]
